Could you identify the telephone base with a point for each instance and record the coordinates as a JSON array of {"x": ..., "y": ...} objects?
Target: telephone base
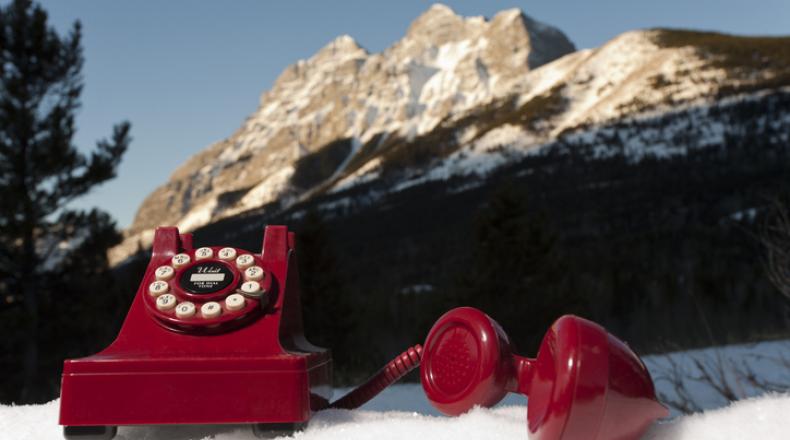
[
  {"x": 89, "y": 432},
  {"x": 282, "y": 389}
]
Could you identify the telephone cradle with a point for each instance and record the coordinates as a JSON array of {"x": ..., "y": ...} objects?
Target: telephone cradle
[{"x": 214, "y": 336}]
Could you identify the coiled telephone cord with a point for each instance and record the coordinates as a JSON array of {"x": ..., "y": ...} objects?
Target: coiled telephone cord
[{"x": 391, "y": 373}]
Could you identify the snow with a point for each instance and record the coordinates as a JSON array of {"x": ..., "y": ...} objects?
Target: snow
[
  {"x": 492, "y": 150},
  {"x": 745, "y": 369},
  {"x": 451, "y": 53},
  {"x": 268, "y": 189},
  {"x": 402, "y": 411},
  {"x": 366, "y": 173},
  {"x": 746, "y": 214},
  {"x": 53, "y": 251},
  {"x": 764, "y": 418},
  {"x": 596, "y": 84},
  {"x": 418, "y": 75},
  {"x": 197, "y": 216},
  {"x": 655, "y": 133},
  {"x": 417, "y": 289}
]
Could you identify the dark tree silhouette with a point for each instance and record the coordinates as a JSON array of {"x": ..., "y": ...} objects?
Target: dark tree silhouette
[
  {"x": 327, "y": 308},
  {"x": 41, "y": 170},
  {"x": 516, "y": 273},
  {"x": 776, "y": 239}
]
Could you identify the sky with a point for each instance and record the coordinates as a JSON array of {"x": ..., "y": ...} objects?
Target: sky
[{"x": 186, "y": 73}]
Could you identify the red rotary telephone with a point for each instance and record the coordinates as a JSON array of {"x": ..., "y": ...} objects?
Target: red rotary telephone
[{"x": 214, "y": 335}]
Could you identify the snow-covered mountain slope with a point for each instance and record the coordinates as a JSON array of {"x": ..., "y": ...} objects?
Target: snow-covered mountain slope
[
  {"x": 426, "y": 107},
  {"x": 650, "y": 134}
]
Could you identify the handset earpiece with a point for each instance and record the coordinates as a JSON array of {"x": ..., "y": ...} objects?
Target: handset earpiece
[
  {"x": 466, "y": 361},
  {"x": 584, "y": 383}
]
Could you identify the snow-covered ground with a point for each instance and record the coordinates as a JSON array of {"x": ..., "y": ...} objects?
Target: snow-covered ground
[
  {"x": 402, "y": 411},
  {"x": 762, "y": 418},
  {"x": 707, "y": 375}
]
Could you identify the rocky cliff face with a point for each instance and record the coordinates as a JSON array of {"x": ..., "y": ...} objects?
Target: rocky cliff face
[
  {"x": 445, "y": 64},
  {"x": 456, "y": 97}
]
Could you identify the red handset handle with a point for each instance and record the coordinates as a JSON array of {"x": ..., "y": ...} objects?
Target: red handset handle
[{"x": 524, "y": 367}]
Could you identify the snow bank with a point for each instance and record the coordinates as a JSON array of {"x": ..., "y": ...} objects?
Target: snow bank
[
  {"x": 745, "y": 370},
  {"x": 402, "y": 411},
  {"x": 758, "y": 418},
  {"x": 762, "y": 418}
]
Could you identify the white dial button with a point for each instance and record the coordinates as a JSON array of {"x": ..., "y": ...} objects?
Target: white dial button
[
  {"x": 210, "y": 309},
  {"x": 244, "y": 261},
  {"x": 166, "y": 302},
  {"x": 203, "y": 253},
  {"x": 158, "y": 287},
  {"x": 235, "y": 302},
  {"x": 180, "y": 260},
  {"x": 164, "y": 273},
  {"x": 227, "y": 254},
  {"x": 251, "y": 287},
  {"x": 253, "y": 273},
  {"x": 185, "y": 309}
]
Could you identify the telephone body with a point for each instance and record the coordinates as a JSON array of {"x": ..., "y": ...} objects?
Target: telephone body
[{"x": 214, "y": 335}]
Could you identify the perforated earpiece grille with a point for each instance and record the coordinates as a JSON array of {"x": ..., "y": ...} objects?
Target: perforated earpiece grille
[{"x": 455, "y": 360}]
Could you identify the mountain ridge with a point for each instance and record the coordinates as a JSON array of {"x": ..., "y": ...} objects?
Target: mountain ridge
[{"x": 361, "y": 109}]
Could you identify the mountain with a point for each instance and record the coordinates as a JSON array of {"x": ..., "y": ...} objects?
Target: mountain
[
  {"x": 344, "y": 99},
  {"x": 332, "y": 121},
  {"x": 626, "y": 182}
]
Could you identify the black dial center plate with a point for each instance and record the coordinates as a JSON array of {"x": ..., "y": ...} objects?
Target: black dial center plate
[{"x": 208, "y": 277}]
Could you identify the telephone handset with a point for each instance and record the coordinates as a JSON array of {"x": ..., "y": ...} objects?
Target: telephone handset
[
  {"x": 584, "y": 384},
  {"x": 214, "y": 335}
]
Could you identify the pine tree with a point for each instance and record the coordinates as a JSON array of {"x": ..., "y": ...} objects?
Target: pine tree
[
  {"x": 327, "y": 308},
  {"x": 516, "y": 274},
  {"x": 41, "y": 170}
]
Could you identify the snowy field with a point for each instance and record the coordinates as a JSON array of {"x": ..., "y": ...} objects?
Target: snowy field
[{"x": 402, "y": 411}]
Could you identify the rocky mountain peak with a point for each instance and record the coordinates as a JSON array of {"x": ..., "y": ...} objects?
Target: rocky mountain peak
[
  {"x": 544, "y": 43},
  {"x": 438, "y": 25},
  {"x": 515, "y": 39},
  {"x": 337, "y": 52},
  {"x": 345, "y": 97},
  {"x": 343, "y": 46}
]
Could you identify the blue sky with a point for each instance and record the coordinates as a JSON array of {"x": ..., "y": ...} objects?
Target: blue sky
[{"x": 187, "y": 73}]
